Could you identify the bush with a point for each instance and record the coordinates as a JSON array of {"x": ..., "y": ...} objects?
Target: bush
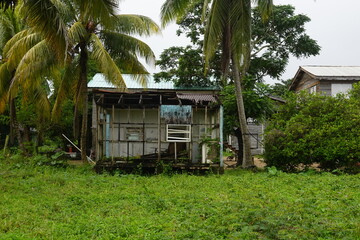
[{"x": 315, "y": 129}]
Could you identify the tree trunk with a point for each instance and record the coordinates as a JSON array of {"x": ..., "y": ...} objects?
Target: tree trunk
[
  {"x": 14, "y": 126},
  {"x": 240, "y": 153},
  {"x": 247, "y": 159},
  {"x": 83, "y": 100},
  {"x": 12, "y": 122}
]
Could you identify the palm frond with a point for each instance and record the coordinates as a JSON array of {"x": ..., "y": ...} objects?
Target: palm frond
[
  {"x": 240, "y": 18},
  {"x": 217, "y": 21},
  {"x": 5, "y": 79},
  {"x": 129, "y": 63},
  {"x": 97, "y": 11},
  {"x": 77, "y": 32},
  {"x": 46, "y": 17},
  {"x": 174, "y": 9},
  {"x": 20, "y": 48},
  {"x": 11, "y": 42},
  {"x": 10, "y": 24},
  {"x": 265, "y": 8},
  {"x": 38, "y": 62},
  {"x": 134, "y": 24},
  {"x": 106, "y": 64},
  {"x": 65, "y": 86},
  {"x": 116, "y": 44}
]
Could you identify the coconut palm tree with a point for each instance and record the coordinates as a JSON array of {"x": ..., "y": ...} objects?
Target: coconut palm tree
[
  {"x": 83, "y": 30},
  {"x": 228, "y": 24},
  {"x": 32, "y": 91}
]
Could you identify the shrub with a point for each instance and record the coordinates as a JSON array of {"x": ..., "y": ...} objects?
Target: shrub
[{"x": 315, "y": 129}]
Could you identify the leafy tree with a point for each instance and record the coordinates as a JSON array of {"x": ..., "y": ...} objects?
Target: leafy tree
[
  {"x": 281, "y": 89},
  {"x": 273, "y": 42},
  {"x": 81, "y": 30},
  {"x": 312, "y": 128}
]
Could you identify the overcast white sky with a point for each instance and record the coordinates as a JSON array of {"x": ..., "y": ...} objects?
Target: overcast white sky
[{"x": 334, "y": 24}]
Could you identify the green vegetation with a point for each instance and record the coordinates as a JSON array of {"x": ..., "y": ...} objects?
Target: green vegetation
[
  {"x": 43, "y": 202},
  {"x": 315, "y": 129}
]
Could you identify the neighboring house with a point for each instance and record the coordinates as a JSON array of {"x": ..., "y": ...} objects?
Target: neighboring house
[
  {"x": 328, "y": 80},
  {"x": 159, "y": 123}
]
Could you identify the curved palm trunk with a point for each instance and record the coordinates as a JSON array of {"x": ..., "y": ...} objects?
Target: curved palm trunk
[
  {"x": 83, "y": 100},
  {"x": 247, "y": 159}
]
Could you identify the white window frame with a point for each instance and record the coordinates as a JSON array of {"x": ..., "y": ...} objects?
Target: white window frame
[
  {"x": 312, "y": 89},
  {"x": 178, "y": 133}
]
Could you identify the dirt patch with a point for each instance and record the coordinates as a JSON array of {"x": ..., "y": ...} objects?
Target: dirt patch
[{"x": 231, "y": 163}]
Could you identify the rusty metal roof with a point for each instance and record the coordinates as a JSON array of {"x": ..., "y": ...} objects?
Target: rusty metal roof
[
  {"x": 99, "y": 81},
  {"x": 197, "y": 98}
]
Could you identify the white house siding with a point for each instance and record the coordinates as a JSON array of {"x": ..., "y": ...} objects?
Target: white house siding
[{"x": 337, "y": 88}]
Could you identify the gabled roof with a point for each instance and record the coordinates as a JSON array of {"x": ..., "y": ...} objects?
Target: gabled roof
[
  {"x": 327, "y": 73},
  {"x": 99, "y": 82}
]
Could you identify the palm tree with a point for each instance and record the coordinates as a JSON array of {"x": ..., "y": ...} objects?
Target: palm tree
[
  {"x": 81, "y": 30},
  {"x": 16, "y": 43},
  {"x": 228, "y": 24}
]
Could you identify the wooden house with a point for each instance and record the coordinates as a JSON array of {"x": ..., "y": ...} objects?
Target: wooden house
[
  {"x": 328, "y": 80},
  {"x": 159, "y": 123}
]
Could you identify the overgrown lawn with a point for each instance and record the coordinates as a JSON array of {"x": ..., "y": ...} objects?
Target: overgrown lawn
[{"x": 74, "y": 203}]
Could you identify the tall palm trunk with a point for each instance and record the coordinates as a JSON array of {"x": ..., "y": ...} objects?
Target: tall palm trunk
[
  {"x": 83, "y": 100},
  {"x": 14, "y": 126},
  {"x": 247, "y": 159}
]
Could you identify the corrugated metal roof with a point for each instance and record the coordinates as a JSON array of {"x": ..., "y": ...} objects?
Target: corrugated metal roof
[
  {"x": 333, "y": 71},
  {"x": 197, "y": 98},
  {"x": 99, "y": 81}
]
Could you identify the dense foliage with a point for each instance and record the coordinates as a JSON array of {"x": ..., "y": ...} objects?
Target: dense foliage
[
  {"x": 273, "y": 42},
  {"x": 315, "y": 129},
  {"x": 258, "y": 105},
  {"x": 54, "y": 203}
]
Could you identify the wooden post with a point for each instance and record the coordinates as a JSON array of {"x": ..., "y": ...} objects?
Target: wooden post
[
  {"x": 191, "y": 136},
  {"x": 175, "y": 152},
  {"x": 221, "y": 128},
  {"x": 97, "y": 147},
  {"x": 143, "y": 131},
  {"x": 159, "y": 134},
  {"x": 112, "y": 133},
  {"x": 127, "y": 140}
]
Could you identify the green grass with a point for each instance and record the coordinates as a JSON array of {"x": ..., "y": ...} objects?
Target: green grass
[{"x": 74, "y": 203}]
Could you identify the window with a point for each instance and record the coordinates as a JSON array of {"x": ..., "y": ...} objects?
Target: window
[
  {"x": 178, "y": 132},
  {"x": 312, "y": 89}
]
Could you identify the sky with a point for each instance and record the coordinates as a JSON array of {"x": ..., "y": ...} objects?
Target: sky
[{"x": 334, "y": 24}]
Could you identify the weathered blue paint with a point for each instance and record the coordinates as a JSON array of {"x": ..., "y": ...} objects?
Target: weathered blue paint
[{"x": 174, "y": 114}]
